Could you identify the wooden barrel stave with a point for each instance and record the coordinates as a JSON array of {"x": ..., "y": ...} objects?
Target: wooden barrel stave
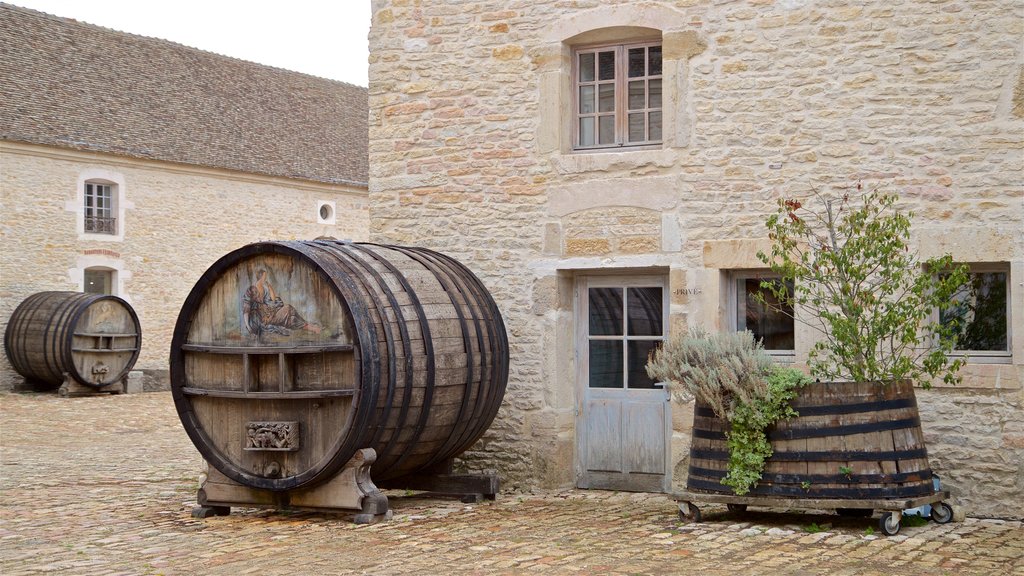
[
  {"x": 834, "y": 451},
  {"x": 428, "y": 349}
]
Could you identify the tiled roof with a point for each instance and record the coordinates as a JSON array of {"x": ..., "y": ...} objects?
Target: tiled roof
[{"x": 74, "y": 85}]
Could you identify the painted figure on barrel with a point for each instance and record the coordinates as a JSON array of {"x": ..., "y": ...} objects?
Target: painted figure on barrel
[{"x": 264, "y": 312}]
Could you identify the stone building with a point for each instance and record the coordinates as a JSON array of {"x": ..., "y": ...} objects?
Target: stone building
[
  {"x": 602, "y": 158},
  {"x": 128, "y": 165}
]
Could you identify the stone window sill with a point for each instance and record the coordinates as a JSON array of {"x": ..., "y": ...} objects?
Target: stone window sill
[{"x": 582, "y": 161}]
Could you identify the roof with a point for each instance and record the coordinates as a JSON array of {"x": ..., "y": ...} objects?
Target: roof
[{"x": 75, "y": 85}]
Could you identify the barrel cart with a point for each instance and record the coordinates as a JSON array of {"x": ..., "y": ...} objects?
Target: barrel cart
[
  {"x": 855, "y": 447},
  {"x": 77, "y": 342},
  {"x": 309, "y": 374}
]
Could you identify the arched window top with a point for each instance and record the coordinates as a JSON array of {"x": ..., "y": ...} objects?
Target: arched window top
[
  {"x": 650, "y": 18},
  {"x": 612, "y": 34}
]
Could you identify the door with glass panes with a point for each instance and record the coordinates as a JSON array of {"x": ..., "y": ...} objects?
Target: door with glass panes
[{"x": 623, "y": 425}]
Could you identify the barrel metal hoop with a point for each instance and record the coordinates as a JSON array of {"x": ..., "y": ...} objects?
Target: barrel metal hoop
[
  {"x": 496, "y": 328},
  {"x": 832, "y": 409},
  {"x": 428, "y": 346},
  {"x": 821, "y": 432},
  {"x": 822, "y": 456},
  {"x": 443, "y": 275},
  {"x": 483, "y": 412},
  {"x": 898, "y": 478},
  {"x": 61, "y": 346},
  {"x": 350, "y": 249}
]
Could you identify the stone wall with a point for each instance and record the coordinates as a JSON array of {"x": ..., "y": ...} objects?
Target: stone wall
[
  {"x": 178, "y": 220},
  {"x": 470, "y": 154}
]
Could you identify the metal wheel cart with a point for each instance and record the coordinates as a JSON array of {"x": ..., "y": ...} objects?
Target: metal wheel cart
[{"x": 889, "y": 523}]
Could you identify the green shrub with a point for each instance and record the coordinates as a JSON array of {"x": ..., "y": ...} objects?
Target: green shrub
[{"x": 733, "y": 374}]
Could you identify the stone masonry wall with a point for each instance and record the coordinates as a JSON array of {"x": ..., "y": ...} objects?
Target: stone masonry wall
[
  {"x": 470, "y": 154},
  {"x": 178, "y": 221}
]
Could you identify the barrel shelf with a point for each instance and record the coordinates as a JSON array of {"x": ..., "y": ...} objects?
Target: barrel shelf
[
  {"x": 318, "y": 349},
  {"x": 103, "y": 350},
  {"x": 293, "y": 395}
]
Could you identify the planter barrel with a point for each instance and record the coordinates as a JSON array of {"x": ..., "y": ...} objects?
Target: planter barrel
[{"x": 852, "y": 440}]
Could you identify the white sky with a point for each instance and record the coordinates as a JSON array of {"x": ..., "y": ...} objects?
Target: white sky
[{"x": 325, "y": 38}]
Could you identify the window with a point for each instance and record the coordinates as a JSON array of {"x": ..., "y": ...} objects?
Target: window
[
  {"x": 325, "y": 212},
  {"x": 624, "y": 325},
  {"x": 618, "y": 96},
  {"x": 98, "y": 281},
  {"x": 99, "y": 209},
  {"x": 981, "y": 312},
  {"x": 770, "y": 321}
]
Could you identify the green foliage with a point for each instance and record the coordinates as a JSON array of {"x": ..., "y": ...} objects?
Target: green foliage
[
  {"x": 846, "y": 471},
  {"x": 813, "y": 528},
  {"x": 855, "y": 280},
  {"x": 731, "y": 373},
  {"x": 913, "y": 521},
  {"x": 869, "y": 531},
  {"x": 748, "y": 439},
  {"x": 721, "y": 369}
]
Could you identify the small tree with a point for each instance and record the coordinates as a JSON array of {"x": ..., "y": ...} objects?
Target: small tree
[{"x": 856, "y": 282}]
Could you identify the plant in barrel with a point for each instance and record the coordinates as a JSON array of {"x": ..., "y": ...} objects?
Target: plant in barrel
[
  {"x": 731, "y": 374},
  {"x": 767, "y": 434}
]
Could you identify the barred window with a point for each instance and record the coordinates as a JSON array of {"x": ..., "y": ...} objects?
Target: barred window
[{"x": 99, "y": 209}]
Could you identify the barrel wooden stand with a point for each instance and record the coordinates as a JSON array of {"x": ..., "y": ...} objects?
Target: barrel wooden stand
[
  {"x": 856, "y": 447},
  {"x": 309, "y": 373},
  {"x": 469, "y": 488},
  {"x": 350, "y": 489},
  {"x": 70, "y": 388}
]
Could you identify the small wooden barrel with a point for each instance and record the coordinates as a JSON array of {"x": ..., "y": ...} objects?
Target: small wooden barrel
[
  {"x": 93, "y": 339},
  {"x": 852, "y": 440},
  {"x": 288, "y": 357}
]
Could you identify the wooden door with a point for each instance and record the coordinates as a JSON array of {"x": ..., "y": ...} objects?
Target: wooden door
[{"x": 623, "y": 424}]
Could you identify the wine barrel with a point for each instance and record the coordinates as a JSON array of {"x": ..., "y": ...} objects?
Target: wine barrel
[
  {"x": 288, "y": 357},
  {"x": 852, "y": 440},
  {"x": 94, "y": 339}
]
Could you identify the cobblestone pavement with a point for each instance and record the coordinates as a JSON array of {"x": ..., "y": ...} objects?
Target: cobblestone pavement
[{"x": 106, "y": 485}]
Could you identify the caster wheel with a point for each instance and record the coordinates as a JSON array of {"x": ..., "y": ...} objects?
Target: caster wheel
[
  {"x": 941, "y": 512},
  {"x": 689, "y": 513},
  {"x": 737, "y": 508},
  {"x": 888, "y": 523},
  {"x": 855, "y": 512}
]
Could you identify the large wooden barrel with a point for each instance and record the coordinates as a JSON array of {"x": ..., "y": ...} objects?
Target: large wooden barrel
[
  {"x": 287, "y": 357},
  {"x": 852, "y": 440},
  {"x": 92, "y": 338}
]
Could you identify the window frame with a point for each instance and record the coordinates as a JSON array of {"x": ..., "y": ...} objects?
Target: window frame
[
  {"x": 989, "y": 356},
  {"x": 732, "y": 308},
  {"x": 110, "y": 281},
  {"x": 621, "y": 97},
  {"x": 92, "y": 212}
]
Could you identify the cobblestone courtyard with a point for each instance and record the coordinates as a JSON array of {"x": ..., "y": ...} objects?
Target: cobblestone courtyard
[{"x": 106, "y": 485}]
